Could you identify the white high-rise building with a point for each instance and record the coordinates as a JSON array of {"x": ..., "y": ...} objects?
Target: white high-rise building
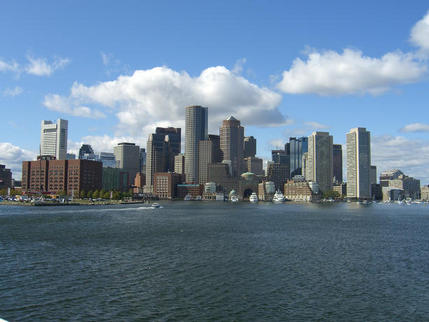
[
  {"x": 319, "y": 160},
  {"x": 358, "y": 163},
  {"x": 53, "y": 139}
]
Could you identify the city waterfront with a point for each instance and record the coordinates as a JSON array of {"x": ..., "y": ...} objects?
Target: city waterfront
[{"x": 215, "y": 261}]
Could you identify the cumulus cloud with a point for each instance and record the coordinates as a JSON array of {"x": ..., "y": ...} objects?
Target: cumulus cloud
[
  {"x": 42, "y": 67},
  {"x": 103, "y": 143},
  {"x": 316, "y": 125},
  {"x": 60, "y": 104},
  {"x": 12, "y": 156},
  {"x": 158, "y": 96},
  {"x": 420, "y": 34},
  {"x": 13, "y": 91},
  {"x": 350, "y": 72},
  {"x": 8, "y": 66},
  {"x": 397, "y": 152},
  {"x": 415, "y": 127}
]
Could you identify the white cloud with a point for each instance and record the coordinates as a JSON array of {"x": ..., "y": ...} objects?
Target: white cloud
[
  {"x": 8, "y": 66},
  {"x": 316, "y": 126},
  {"x": 350, "y": 72},
  {"x": 103, "y": 143},
  {"x": 415, "y": 127},
  {"x": 106, "y": 58},
  {"x": 397, "y": 152},
  {"x": 158, "y": 96},
  {"x": 238, "y": 66},
  {"x": 13, "y": 91},
  {"x": 41, "y": 66},
  {"x": 420, "y": 34},
  {"x": 12, "y": 156},
  {"x": 277, "y": 144},
  {"x": 60, "y": 104}
]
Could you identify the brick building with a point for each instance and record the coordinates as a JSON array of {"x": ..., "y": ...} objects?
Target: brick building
[
  {"x": 54, "y": 176},
  {"x": 165, "y": 184}
]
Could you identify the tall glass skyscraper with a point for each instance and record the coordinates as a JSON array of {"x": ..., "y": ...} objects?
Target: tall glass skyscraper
[
  {"x": 297, "y": 146},
  {"x": 196, "y": 130}
]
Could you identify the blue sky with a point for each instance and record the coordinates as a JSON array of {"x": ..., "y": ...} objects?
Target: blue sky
[{"x": 116, "y": 70}]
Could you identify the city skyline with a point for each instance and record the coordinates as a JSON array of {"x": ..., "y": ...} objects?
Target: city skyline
[{"x": 105, "y": 94}]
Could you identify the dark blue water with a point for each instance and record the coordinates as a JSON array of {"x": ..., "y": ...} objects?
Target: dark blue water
[{"x": 215, "y": 261}]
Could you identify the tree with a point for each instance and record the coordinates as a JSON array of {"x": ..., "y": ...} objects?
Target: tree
[
  {"x": 331, "y": 194},
  {"x": 96, "y": 194},
  {"x": 82, "y": 194},
  {"x": 89, "y": 194}
]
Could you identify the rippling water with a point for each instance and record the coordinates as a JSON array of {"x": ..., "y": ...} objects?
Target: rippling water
[{"x": 215, "y": 261}]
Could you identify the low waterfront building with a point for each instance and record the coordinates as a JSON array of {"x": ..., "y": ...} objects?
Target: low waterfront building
[
  {"x": 165, "y": 184},
  {"x": 111, "y": 179},
  {"x": 341, "y": 188},
  {"x": 299, "y": 191},
  {"x": 424, "y": 191},
  {"x": 396, "y": 179},
  {"x": 65, "y": 176},
  {"x": 139, "y": 183},
  {"x": 266, "y": 190},
  {"x": 192, "y": 189}
]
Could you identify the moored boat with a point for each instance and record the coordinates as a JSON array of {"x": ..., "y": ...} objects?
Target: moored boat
[{"x": 253, "y": 198}]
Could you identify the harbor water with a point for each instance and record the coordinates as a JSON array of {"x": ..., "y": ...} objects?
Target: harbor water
[{"x": 215, "y": 261}]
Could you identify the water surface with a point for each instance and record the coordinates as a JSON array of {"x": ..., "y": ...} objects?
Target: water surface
[{"x": 215, "y": 261}]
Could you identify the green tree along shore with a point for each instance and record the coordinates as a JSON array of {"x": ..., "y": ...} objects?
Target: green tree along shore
[{"x": 114, "y": 195}]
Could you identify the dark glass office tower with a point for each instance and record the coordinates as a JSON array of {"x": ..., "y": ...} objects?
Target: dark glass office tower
[{"x": 297, "y": 146}]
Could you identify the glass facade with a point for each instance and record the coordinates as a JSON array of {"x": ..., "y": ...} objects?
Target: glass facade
[{"x": 297, "y": 146}]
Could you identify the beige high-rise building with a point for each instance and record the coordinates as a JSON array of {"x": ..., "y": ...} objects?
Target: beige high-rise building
[
  {"x": 179, "y": 164},
  {"x": 231, "y": 143},
  {"x": 195, "y": 131},
  {"x": 358, "y": 163},
  {"x": 319, "y": 167},
  {"x": 209, "y": 152}
]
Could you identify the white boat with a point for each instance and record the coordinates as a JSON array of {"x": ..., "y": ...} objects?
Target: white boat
[
  {"x": 156, "y": 205},
  {"x": 188, "y": 197},
  {"x": 234, "y": 198},
  {"x": 279, "y": 197},
  {"x": 253, "y": 198}
]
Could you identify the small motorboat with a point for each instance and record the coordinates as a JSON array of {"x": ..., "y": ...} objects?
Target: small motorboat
[
  {"x": 253, "y": 198},
  {"x": 155, "y": 205},
  {"x": 279, "y": 197}
]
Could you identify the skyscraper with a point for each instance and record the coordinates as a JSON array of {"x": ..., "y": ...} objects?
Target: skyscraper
[
  {"x": 85, "y": 149},
  {"x": 358, "y": 163},
  {"x": 337, "y": 151},
  {"x": 319, "y": 162},
  {"x": 173, "y": 138},
  {"x": 195, "y": 131},
  {"x": 297, "y": 147},
  {"x": 127, "y": 157},
  {"x": 231, "y": 143},
  {"x": 53, "y": 139},
  {"x": 156, "y": 157},
  {"x": 209, "y": 152},
  {"x": 249, "y": 147}
]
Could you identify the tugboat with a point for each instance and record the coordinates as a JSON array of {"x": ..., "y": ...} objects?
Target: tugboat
[
  {"x": 253, "y": 198},
  {"x": 278, "y": 197}
]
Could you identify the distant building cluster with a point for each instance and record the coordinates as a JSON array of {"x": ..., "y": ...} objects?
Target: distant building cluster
[{"x": 213, "y": 165}]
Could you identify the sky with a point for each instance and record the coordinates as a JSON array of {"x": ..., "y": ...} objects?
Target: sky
[{"x": 116, "y": 70}]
